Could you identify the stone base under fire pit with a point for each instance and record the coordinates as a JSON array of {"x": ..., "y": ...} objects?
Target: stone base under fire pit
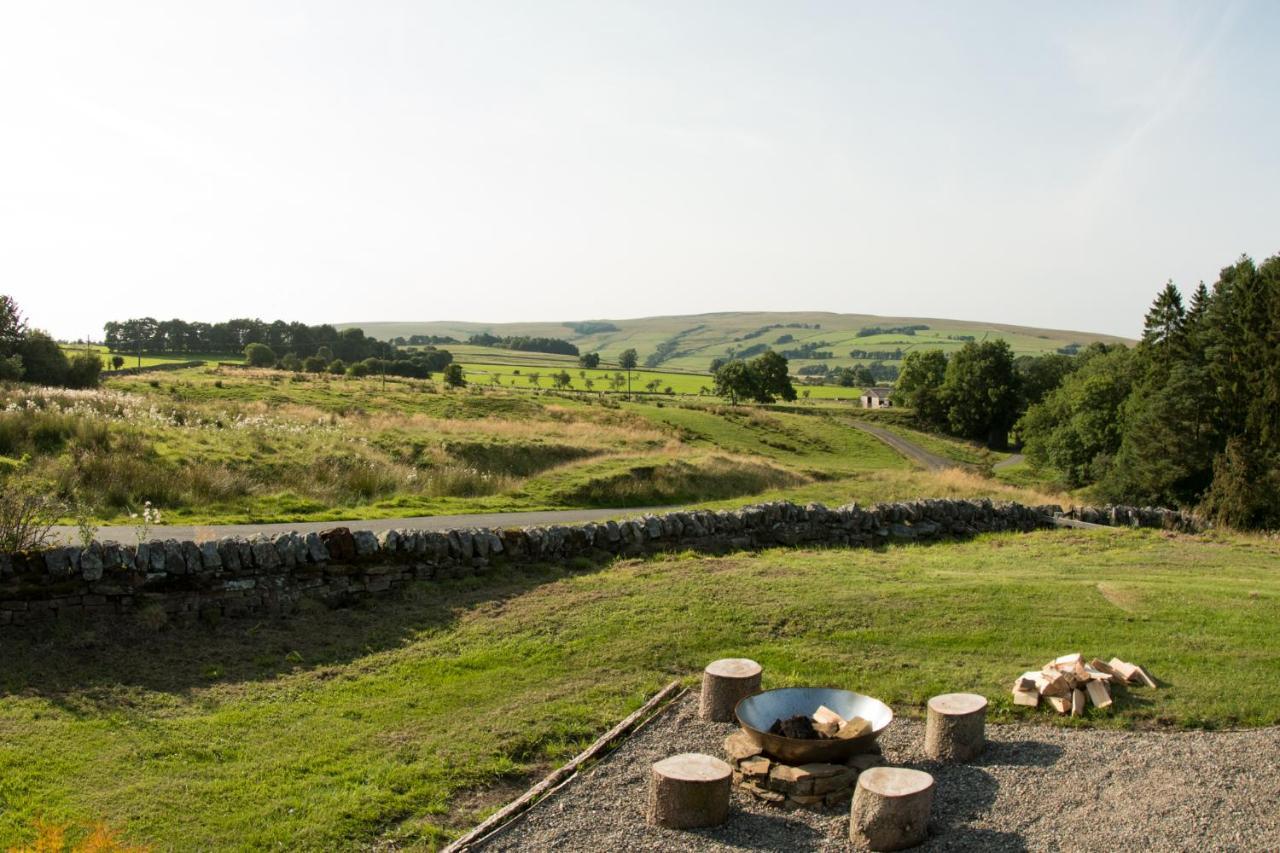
[{"x": 788, "y": 787}]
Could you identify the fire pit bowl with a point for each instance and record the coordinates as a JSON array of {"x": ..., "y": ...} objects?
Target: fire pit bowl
[{"x": 756, "y": 714}]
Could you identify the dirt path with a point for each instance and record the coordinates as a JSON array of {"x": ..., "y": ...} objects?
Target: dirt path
[{"x": 1036, "y": 787}]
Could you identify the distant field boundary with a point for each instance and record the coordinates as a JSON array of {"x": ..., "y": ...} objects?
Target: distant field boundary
[
  {"x": 187, "y": 581},
  {"x": 147, "y": 368}
]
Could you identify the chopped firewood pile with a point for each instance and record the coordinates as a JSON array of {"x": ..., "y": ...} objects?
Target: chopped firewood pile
[
  {"x": 1069, "y": 685},
  {"x": 825, "y": 724}
]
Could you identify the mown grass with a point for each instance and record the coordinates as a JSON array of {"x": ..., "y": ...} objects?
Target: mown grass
[{"x": 356, "y": 728}]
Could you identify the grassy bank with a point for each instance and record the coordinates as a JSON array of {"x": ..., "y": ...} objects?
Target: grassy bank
[
  {"x": 403, "y": 723},
  {"x": 230, "y": 445}
]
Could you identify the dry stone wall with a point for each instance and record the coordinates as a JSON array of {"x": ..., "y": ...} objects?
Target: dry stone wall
[{"x": 239, "y": 577}]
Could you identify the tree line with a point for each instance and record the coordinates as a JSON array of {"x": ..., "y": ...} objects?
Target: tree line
[
  {"x": 148, "y": 335},
  {"x": 555, "y": 346},
  {"x": 1189, "y": 417},
  {"x": 979, "y": 392},
  {"x": 30, "y": 355}
]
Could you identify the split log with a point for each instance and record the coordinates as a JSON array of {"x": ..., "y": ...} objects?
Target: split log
[
  {"x": 955, "y": 729},
  {"x": 688, "y": 791},
  {"x": 1077, "y": 702},
  {"x": 1099, "y": 695},
  {"x": 890, "y": 809},
  {"x": 725, "y": 683}
]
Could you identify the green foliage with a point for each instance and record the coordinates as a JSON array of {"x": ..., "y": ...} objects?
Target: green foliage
[
  {"x": 83, "y": 370},
  {"x": 1191, "y": 416},
  {"x": 919, "y": 386},
  {"x": 11, "y": 368},
  {"x": 981, "y": 392},
  {"x": 314, "y": 364},
  {"x": 453, "y": 376},
  {"x": 43, "y": 361},
  {"x": 1075, "y": 430},
  {"x": 259, "y": 355},
  {"x": 291, "y": 362},
  {"x": 338, "y": 367},
  {"x": 764, "y": 379},
  {"x": 13, "y": 328},
  {"x": 590, "y": 360}
]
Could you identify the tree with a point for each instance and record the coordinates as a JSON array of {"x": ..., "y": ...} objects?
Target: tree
[
  {"x": 259, "y": 355},
  {"x": 1164, "y": 321},
  {"x": 290, "y": 361},
  {"x": 628, "y": 361},
  {"x": 981, "y": 392},
  {"x": 1075, "y": 431},
  {"x": 534, "y": 377},
  {"x": 13, "y": 327},
  {"x": 43, "y": 361},
  {"x": 762, "y": 380},
  {"x": 589, "y": 360},
  {"x": 562, "y": 379},
  {"x": 338, "y": 367},
  {"x": 772, "y": 380},
  {"x": 1038, "y": 375},
  {"x": 653, "y": 385},
  {"x": 314, "y": 364},
  {"x": 117, "y": 362},
  {"x": 919, "y": 386},
  {"x": 453, "y": 376},
  {"x": 736, "y": 381}
]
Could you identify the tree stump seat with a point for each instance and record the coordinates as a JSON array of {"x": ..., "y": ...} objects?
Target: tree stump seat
[
  {"x": 688, "y": 791},
  {"x": 890, "y": 809},
  {"x": 955, "y": 729},
  {"x": 725, "y": 683}
]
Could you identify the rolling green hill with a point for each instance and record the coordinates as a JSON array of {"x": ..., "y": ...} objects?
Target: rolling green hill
[{"x": 691, "y": 342}]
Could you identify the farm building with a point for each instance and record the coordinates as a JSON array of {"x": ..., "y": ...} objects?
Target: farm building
[{"x": 876, "y": 398}]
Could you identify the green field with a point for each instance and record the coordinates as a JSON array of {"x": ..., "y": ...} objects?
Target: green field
[
  {"x": 150, "y": 359},
  {"x": 404, "y": 723}
]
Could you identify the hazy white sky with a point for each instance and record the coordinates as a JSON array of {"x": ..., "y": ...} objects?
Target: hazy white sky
[{"x": 329, "y": 161}]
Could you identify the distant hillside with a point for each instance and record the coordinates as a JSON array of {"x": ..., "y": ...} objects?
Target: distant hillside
[{"x": 691, "y": 342}]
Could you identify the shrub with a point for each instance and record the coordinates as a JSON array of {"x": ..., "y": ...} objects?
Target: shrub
[
  {"x": 314, "y": 364},
  {"x": 453, "y": 376},
  {"x": 337, "y": 367},
  {"x": 84, "y": 370},
  {"x": 28, "y": 511},
  {"x": 291, "y": 362},
  {"x": 44, "y": 362},
  {"x": 259, "y": 355}
]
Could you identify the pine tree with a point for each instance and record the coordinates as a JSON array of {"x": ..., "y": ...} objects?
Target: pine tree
[{"x": 1165, "y": 319}]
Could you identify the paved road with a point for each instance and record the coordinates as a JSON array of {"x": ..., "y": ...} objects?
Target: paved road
[
  {"x": 912, "y": 451},
  {"x": 129, "y": 535}
]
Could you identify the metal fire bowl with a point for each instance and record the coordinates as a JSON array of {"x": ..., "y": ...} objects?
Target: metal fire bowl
[{"x": 756, "y": 714}]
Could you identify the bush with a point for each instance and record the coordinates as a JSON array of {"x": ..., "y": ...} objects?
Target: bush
[
  {"x": 291, "y": 362},
  {"x": 84, "y": 370},
  {"x": 314, "y": 364},
  {"x": 259, "y": 355},
  {"x": 27, "y": 513},
  {"x": 337, "y": 367},
  {"x": 453, "y": 376},
  {"x": 43, "y": 360},
  {"x": 11, "y": 368}
]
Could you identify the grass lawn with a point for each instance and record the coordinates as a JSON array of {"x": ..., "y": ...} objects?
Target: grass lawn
[{"x": 404, "y": 722}]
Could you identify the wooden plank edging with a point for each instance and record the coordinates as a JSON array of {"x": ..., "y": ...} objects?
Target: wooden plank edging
[{"x": 561, "y": 774}]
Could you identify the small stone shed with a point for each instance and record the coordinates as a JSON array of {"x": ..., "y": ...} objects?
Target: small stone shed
[{"x": 876, "y": 398}]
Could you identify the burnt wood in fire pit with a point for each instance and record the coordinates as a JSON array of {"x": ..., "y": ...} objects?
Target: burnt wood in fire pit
[{"x": 757, "y": 715}]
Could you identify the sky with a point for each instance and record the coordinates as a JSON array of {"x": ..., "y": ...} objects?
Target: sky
[{"x": 1042, "y": 164}]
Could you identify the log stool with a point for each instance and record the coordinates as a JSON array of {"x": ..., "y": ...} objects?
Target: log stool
[
  {"x": 725, "y": 683},
  {"x": 890, "y": 809},
  {"x": 688, "y": 791},
  {"x": 956, "y": 727}
]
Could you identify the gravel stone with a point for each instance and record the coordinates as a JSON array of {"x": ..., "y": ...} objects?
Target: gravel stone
[{"x": 1036, "y": 787}]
